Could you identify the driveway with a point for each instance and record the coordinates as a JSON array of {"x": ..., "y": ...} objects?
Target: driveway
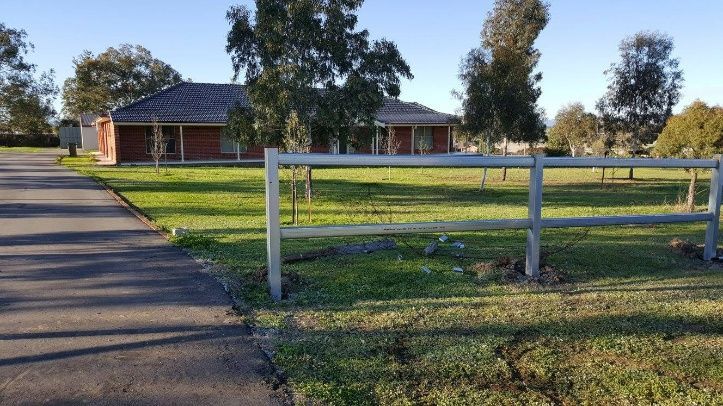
[{"x": 97, "y": 308}]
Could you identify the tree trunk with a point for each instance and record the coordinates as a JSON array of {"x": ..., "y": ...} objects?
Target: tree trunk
[
  {"x": 484, "y": 171},
  {"x": 309, "y": 192},
  {"x": 294, "y": 202},
  {"x": 631, "y": 175},
  {"x": 504, "y": 153},
  {"x": 690, "y": 204}
]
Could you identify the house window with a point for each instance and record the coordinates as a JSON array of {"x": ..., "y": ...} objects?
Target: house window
[
  {"x": 229, "y": 145},
  {"x": 423, "y": 138},
  {"x": 168, "y": 135}
]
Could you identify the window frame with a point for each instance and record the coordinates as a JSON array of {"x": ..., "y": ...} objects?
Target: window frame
[
  {"x": 417, "y": 137},
  {"x": 238, "y": 148},
  {"x": 169, "y": 132}
]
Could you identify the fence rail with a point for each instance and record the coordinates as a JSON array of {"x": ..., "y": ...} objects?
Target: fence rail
[{"x": 534, "y": 222}]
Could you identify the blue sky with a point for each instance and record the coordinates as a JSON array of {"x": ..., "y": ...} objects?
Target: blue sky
[{"x": 577, "y": 46}]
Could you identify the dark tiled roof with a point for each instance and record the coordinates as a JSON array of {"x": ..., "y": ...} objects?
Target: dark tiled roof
[
  {"x": 185, "y": 102},
  {"x": 88, "y": 119},
  {"x": 395, "y": 111},
  {"x": 209, "y": 103}
]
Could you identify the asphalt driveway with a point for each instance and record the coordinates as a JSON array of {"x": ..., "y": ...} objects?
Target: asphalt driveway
[{"x": 97, "y": 308}]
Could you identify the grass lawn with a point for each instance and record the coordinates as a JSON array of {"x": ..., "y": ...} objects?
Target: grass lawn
[
  {"x": 632, "y": 322},
  {"x": 24, "y": 149}
]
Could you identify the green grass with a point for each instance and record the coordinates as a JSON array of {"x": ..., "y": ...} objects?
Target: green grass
[
  {"x": 633, "y": 323},
  {"x": 24, "y": 149}
]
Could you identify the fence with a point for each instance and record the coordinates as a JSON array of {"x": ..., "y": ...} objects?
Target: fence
[
  {"x": 70, "y": 135},
  {"x": 534, "y": 222}
]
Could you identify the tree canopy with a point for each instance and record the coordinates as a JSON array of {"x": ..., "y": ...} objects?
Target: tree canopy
[
  {"x": 697, "y": 132},
  {"x": 643, "y": 87},
  {"x": 308, "y": 57},
  {"x": 500, "y": 85},
  {"x": 114, "y": 78},
  {"x": 574, "y": 129},
  {"x": 26, "y": 97}
]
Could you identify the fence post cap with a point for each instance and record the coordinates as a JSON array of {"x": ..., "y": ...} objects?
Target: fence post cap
[{"x": 539, "y": 158}]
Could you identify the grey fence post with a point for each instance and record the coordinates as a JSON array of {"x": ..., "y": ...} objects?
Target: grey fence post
[
  {"x": 273, "y": 231},
  {"x": 714, "y": 201},
  {"x": 534, "y": 213}
]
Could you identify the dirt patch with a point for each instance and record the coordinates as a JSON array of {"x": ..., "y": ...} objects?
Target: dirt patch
[
  {"x": 693, "y": 251},
  {"x": 291, "y": 282},
  {"x": 686, "y": 248},
  {"x": 502, "y": 262},
  {"x": 514, "y": 272},
  {"x": 399, "y": 349},
  {"x": 346, "y": 249}
]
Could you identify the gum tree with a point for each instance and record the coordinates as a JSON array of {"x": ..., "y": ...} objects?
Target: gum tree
[
  {"x": 478, "y": 113},
  {"x": 308, "y": 56},
  {"x": 500, "y": 85},
  {"x": 643, "y": 87}
]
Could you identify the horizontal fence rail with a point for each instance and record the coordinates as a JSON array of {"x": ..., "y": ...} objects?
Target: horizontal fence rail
[
  {"x": 403, "y": 228},
  {"x": 624, "y": 220},
  {"x": 628, "y": 163},
  {"x": 534, "y": 223},
  {"x": 469, "y": 161}
]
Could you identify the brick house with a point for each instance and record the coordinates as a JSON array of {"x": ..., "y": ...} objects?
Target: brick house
[{"x": 193, "y": 114}]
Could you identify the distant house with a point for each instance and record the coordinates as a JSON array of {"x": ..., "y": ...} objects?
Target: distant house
[
  {"x": 88, "y": 132},
  {"x": 193, "y": 114}
]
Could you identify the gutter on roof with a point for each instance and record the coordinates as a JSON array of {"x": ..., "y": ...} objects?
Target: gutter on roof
[
  {"x": 146, "y": 123},
  {"x": 418, "y": 124}
]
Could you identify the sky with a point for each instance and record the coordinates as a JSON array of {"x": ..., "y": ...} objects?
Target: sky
[{"x": 579, "y": 43}]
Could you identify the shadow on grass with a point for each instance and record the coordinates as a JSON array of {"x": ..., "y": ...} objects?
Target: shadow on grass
[
  {"x": 608, "y": 257},
  {"x": 392, "y": 196}
]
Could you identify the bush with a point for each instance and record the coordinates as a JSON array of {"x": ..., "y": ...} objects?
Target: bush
[{"x": 29, "y": 140}]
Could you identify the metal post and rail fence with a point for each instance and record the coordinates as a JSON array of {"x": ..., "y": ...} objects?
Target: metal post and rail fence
[{"x": 534, "y": 223}]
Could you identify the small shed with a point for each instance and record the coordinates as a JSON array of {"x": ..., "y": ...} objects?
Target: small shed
[{"x": 88, "y": 131}]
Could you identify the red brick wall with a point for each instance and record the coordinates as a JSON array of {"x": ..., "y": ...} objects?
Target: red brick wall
[
  {"x": 439, "y": 139},
  {"x": 403, "y": 136},
  {"x": 201, "y": 143},
  {"x": 108, "y": 140},
  {"x": 126, "y": 143},
  {"x": 115, "y": 150},
  {"x": 133, "y": 143}
]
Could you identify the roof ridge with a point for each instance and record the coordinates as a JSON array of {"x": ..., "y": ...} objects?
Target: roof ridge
[
  {"x": 215, "y": 83},
  {"x": 431, "y": 109}
]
